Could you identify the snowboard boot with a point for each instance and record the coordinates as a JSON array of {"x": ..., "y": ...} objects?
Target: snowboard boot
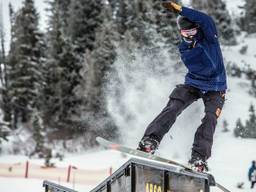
[
  {"x": 148, "y": 144},
  {"x": 198, "y": 164}
]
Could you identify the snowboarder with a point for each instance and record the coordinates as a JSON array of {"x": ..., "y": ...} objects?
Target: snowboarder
[
  {"x": 252, "y": 174},
  {"x": 206, "y": 79}
]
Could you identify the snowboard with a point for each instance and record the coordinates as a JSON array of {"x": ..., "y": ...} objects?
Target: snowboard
[{"x": 114, "y": 146}]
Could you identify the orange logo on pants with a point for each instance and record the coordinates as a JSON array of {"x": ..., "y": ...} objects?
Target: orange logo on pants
[{"x": 218, "y": 112}]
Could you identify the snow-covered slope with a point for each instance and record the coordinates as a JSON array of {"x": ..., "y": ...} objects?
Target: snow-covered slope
[
  {"x": 229, "y": 164},
  {"x": 246, "y": 43}
]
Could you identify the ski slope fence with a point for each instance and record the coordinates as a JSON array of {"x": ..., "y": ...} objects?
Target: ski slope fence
[{"x": 61, "y": 174}]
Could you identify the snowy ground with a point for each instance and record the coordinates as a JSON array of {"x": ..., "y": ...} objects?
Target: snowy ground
[
  {"x": 89, "y": 161},
  {"x": 231, "y": 158},
  {"x": 33, "y": 185}
]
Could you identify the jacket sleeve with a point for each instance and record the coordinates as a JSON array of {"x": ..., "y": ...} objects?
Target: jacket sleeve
[{"x": 206, "y": 23}]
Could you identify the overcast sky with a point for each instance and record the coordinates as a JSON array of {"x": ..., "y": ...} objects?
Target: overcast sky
[{"x": 40, "y": 5}]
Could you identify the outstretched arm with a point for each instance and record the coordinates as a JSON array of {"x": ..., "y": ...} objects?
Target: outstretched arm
[{"x": 206, "y": 22}]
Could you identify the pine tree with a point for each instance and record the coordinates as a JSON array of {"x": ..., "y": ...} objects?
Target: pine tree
[
  {"x": 217, "y": 9},
  {"x": 249, "y": 129},
  {"x": 166, "y": 22},
  {"x": 6, "y": 98},
  {"x": 223, "y": 21},
  {"x": 64, "y": 7},
  {"x": 97, "y": 63},
  {"x": 249, "y": 21},
  {"x": 250, "y": 125},
  {"x": 61, "y": 70},
  {"x": 25, "y": 60},
  {"x": 129, "y": 22},
  {"x": 84, "y": 20},
  {"x": 200, "y": 5},
  {"x": 79, "y": 37},
  {"x": 2, "y": 48},
  {"x": 4, "y": 127},
  {"x": 239, "y": 129}
]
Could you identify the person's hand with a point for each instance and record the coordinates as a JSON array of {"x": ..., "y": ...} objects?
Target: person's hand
[{"x": 170, "y": 5}]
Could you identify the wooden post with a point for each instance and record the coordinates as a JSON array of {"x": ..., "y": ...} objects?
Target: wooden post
[
  {"x": 110, "y": 171},
  {"x": 26, "y": 169},
  {"x": 69, "y": 172}
]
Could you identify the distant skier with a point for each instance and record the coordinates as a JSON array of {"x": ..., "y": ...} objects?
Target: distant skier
[
  {"x": 206, "y": 79},
  {"x": 252, "y": 174}
]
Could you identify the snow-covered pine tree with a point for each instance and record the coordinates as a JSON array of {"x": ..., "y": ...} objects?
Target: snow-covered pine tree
[
  {"x": 83, "y": 21},
  {"x": 130, "y": 23},
  {"x": 145, "y": 25},
  {"x": 6, "y": 98},
  {"x": 85, "y": 18},
  {"x": 91, "y": 90},
  {"x": 250, "y": 125},
  {"x": 200, "y": 5},
  {"x": 2, "y": 46},
  {"x": 249, "y": 129},
  {"x": 249, "y": 21},
  {"x": 61, "y": 71},
  {"x": 4, "y": 127},
  {"x": 64, "y": 7},
  {"x": 217, "y": 9},
  {"x": 25, "y": 60},
  {"x": 239, "y": 129},
  {"x": 166, "y": 22},
  {"x": 12, "y": 16}
]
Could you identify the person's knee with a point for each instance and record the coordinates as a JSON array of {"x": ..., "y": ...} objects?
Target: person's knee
[
  {"x": 175, "y": 106},
  {"x": 210, "y": 118},
  {"x": 209, "y": 121}
]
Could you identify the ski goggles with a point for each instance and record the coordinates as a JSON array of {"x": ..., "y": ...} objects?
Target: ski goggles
[{"x": 188, "y": 32}]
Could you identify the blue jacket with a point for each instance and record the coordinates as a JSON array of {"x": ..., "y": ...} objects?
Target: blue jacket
[
  {"x": 204, "y": 62},
  {"x": 251, "y": 170}
]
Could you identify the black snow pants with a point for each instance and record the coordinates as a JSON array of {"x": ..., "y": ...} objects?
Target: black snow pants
[{"x": 181, "y": 97}]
